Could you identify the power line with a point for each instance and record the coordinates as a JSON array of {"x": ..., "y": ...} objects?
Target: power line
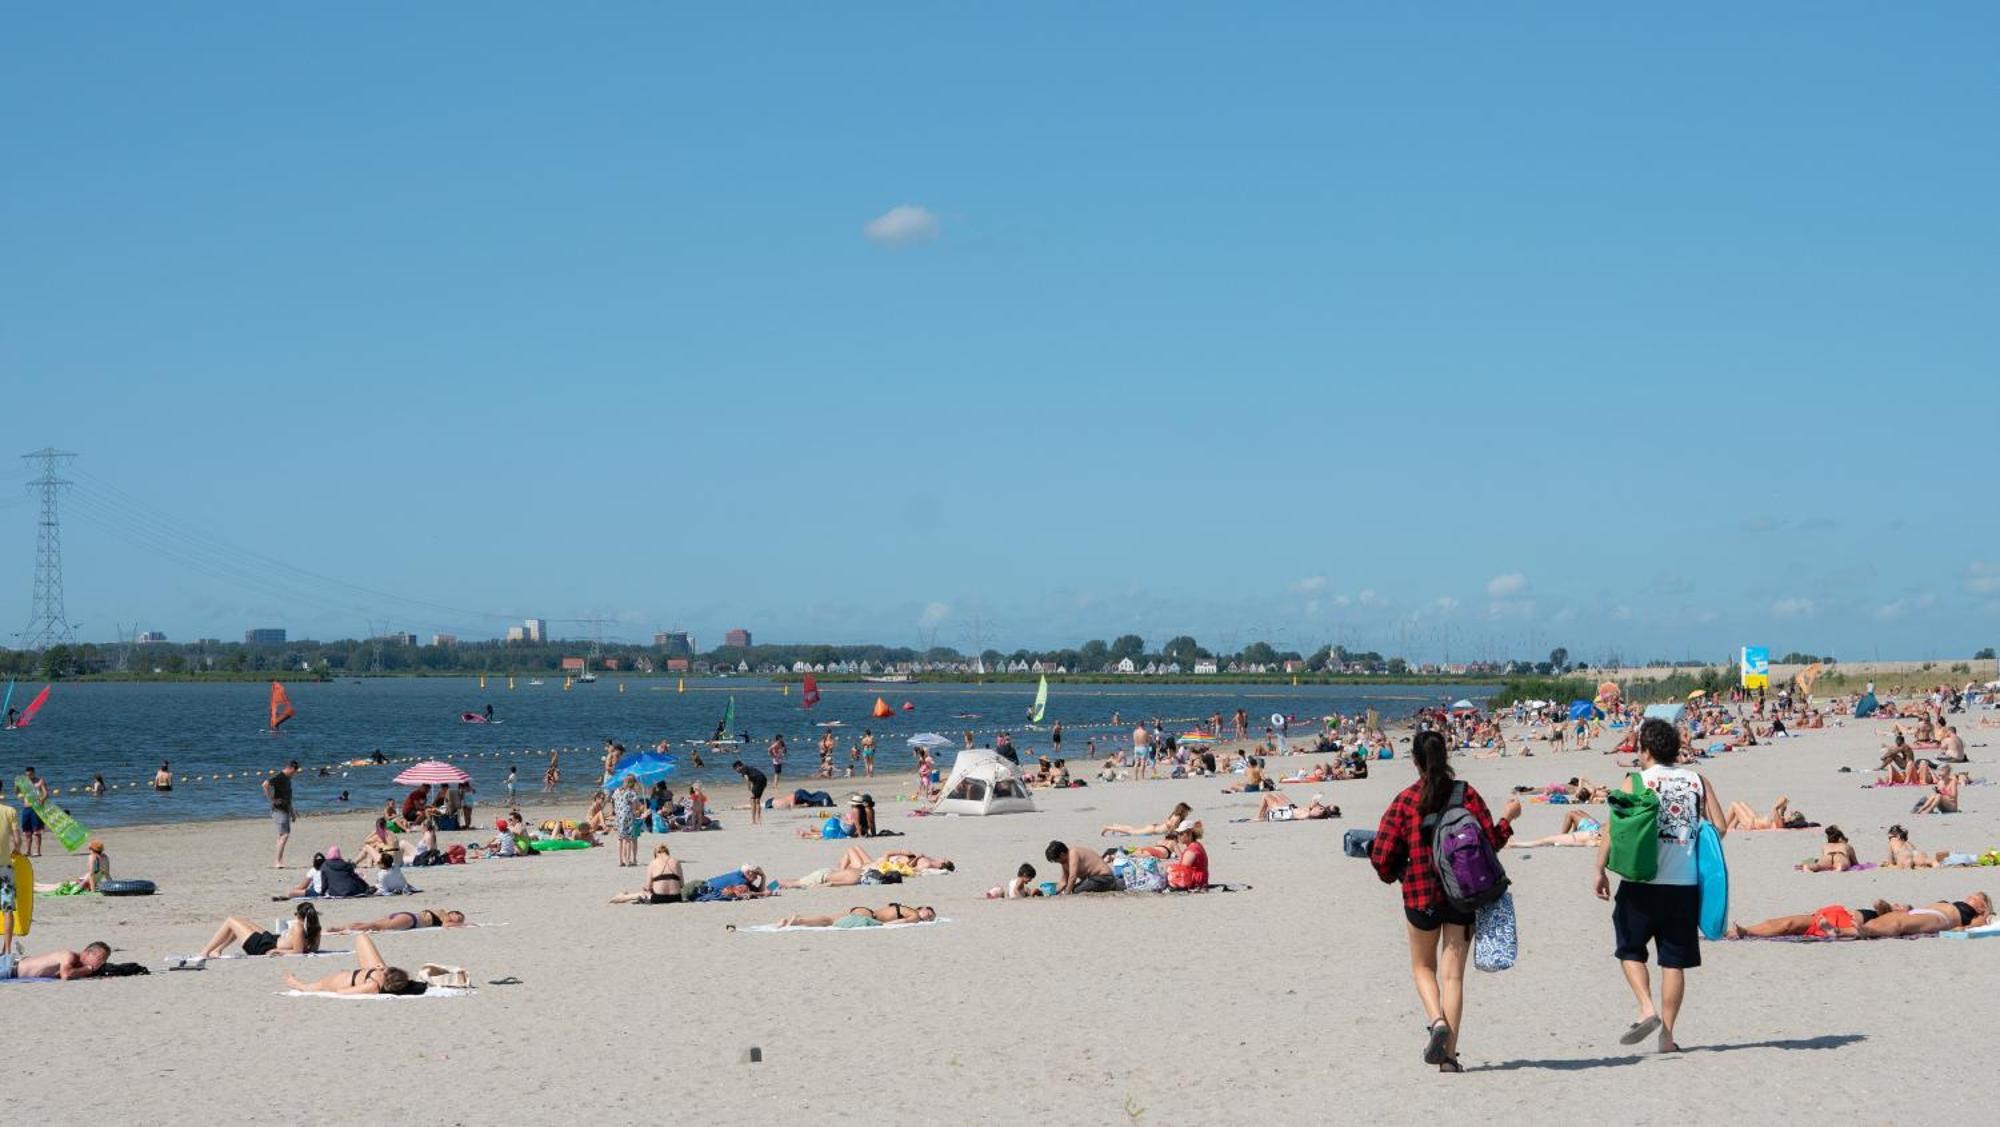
[{"x": 48, "y": 622}]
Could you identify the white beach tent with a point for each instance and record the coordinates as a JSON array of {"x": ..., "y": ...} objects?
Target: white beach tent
[{"x": 982, "y": 782}]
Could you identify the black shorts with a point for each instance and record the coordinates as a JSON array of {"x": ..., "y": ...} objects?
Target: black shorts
[
  {"x": 1096, "y": 884},
  {"x": 1430, "y": 919},
  {"x": 260, "y": 943},
  {"x": 1667, "y": 915},
  {"x": 756, "y": 792},
  {"x": 662, "y": 898}
]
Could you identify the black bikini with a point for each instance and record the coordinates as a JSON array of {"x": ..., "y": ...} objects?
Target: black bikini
[{"x": 1965, "y": 913}]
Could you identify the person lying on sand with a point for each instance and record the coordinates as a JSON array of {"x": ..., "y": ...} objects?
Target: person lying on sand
[
  {"x": 744, "y": 883},
  {"x": 1836, "y": 856},
  {"x": 1903, "y": 856},
  {"x": 301, "y": 936},
  {"x": 1741, "y": 817},
  {"x": 888, "y": 916},
  {"x": 1578, "y": 828},
  {"x": 855, "y": 857},
  {"x": 663, "y": 881},
  {"x": 406, "y": 921},
  {"x": 373, "y": 976},
  {"x": 1277, "y": 807},
  {"x": 56, "y": 964},
  {"x": 1172, "y": 822},
  {"x": 1832, "y": 921},
  {"x": 1944, "y": 915}
]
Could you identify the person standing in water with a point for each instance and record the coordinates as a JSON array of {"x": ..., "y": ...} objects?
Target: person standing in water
[
  {"x": 489, "y": 710},
  {"x": 1664, "y": 911}
]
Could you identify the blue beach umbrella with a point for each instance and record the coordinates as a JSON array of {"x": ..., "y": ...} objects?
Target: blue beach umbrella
[
  {"x": 1582, "y": 710},
  {"x": 649, "y": 766}
]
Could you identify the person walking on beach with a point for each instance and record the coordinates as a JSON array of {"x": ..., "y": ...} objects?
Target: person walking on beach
[
  {"x": 777, "y": 750},
  {"x": 1665, "y": 911},
  {"x": 755, "y": 780},
  {"x": 513, "y": 773},
  {"x": 1439, "y": 934},
  {"x": 625, "y": 818},
  {"x": 278, "y": 788}
]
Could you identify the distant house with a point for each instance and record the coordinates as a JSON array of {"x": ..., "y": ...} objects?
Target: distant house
[
  {"x": 1125, "y": 665},
  {"x": 572, "y": 665},
  {"x": 610, "y": 664},
  {"x": 1205, "y": 666},
  {"x": 1294, "y": 665},
  {"x": 677, "y": 665}
]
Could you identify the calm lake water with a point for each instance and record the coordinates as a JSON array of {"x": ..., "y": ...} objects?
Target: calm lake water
[{"x": 125, "y": 730}]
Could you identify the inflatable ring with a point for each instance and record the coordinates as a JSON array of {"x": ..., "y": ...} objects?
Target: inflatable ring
[
  {"x": 1277, "y": 720},
  {"x": 557, "y": 846},
  {"x": 126, "y": 888}
]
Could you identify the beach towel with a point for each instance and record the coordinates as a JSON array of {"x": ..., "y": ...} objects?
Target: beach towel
[
  {"x": 1983, "y": 931},
  {"x": 433, "y": 992},
  {"x": 774, "y": 929},
  {"x": 1863, "y": 867},
  {"x": 197, "y": 960}
]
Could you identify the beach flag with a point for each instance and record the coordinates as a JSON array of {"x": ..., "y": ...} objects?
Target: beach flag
[
  {"x": 281, "y": 706},
  {"x": 1756, "y": 664}
]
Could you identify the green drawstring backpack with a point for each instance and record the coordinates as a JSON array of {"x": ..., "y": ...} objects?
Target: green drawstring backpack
[{"x": 1635, "y": 831}]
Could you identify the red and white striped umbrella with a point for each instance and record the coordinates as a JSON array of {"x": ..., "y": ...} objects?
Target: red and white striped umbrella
[{"x": 433, "y": 771}]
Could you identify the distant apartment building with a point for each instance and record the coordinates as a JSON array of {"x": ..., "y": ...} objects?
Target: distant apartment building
[
  {"x": 737, "y": 638},
  {"x": 264, "y": 636},
  {"x": 400, "y": 639},
  {"x": 675, "y": 642},
  {"x": 517, "y": 633},
  {"x": 149, "y": 636},
  {"x": 444, "y": 639},
  {"x": 535, "y": 630}
]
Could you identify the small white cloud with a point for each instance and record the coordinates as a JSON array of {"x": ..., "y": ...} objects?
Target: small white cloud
[
  {"x": 1309, "y": 584},
  {"x": 902, "y": 225},
  {"x": 934, "y": 613},
  {"x": 1501, "y": 586},
  {"x": 1368, "y": 597},
  {"x": 1342, "y": 600},
  {"x": 1983, "y": 578},
  {"x": 1792, "y": 608},
  {"x": 1446, "y": 603},
  {"x": 1511, "y": 608}
]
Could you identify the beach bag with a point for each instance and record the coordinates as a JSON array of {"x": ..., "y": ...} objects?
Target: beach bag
[
  {"x": 435, "y": 974},
  {"x": 1145, "y": 875},
  {"x": 1468, "y": 869},
  {"x": 1635, "y": 832},
  {"x": 1495, "y": 941},
  {"x": 456, "y": 855},
  {"x": 1355, "y": 843}
]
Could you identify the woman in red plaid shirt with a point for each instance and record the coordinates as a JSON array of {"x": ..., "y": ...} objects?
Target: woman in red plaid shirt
[{"x": 1402, "y": 851}]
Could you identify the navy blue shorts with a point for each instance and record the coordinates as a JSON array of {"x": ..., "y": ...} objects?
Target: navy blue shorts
[{"x": 1667, "y": 915}]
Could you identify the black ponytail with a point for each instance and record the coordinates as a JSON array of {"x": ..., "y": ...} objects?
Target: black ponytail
[
  {"x": 1434, "y": 765},
  {"x": 309, "y": 919}
]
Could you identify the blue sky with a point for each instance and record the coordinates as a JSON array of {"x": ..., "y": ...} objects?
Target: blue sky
[{"x": 1647, "y": 334}]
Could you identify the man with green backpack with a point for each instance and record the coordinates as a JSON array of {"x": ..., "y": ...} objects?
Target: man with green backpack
[{"x": 1656, "y": 821}]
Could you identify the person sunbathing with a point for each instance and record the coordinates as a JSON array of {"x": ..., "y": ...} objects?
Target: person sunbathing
[
  {"x": 1276, "y": 806},
  {"x": 663, "y": 881},
  {"x": 855, "y": 857},
  {"x": 889, "y": 916},
  {"x": 1741, "y": 817},
  {"x": 1897, "y": 756},
  {"x": 1943, "y": 798},
  {"x": 1836, "y": 856},
  {"x": 743, "y": 883},
  {"x": 1172, "y": 822},
  {"x": 1831, "y": 922},
  {"x": 1944, "y": 915},
  {"x": 798, "y": 798},
  {"x": 379, "y": 843},
  {"x": 64, "y": 965},
  {"x": 301, "y": 936},
  {"x": 1253, "y": 779},
  {"x": 373, "y": 976},
  {"x": 406, "y": 921},
  {"x": 1578, "y": 828},
  {"x": 1916, "y": 773},
  {"x": 1903, "y": 856},
  {"x": 1951, "y": 749}
]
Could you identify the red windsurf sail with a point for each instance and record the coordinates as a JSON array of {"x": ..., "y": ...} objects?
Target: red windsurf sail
[
  {"x": 34, "y": 706},
  {"x": 810, "y": 694},
  {"x": 281, "y": 706}
]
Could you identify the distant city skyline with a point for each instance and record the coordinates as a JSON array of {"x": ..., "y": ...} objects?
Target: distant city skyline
[{"x": 1474, "y": 337}]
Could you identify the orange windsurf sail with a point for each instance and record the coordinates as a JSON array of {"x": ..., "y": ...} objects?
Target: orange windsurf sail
[{"x": 281, "y": 706}]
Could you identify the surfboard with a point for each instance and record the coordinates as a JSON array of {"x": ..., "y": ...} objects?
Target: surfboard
[
  {"x": 1712, "y": 875},
  {"x": 24, "y": 895}
]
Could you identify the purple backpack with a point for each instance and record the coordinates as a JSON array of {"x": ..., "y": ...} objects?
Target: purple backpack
[{"x": 1467, "y": 866}]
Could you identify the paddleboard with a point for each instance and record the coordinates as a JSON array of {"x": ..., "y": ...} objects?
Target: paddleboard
[
  {"x": 1712, "y": 875},
  {"x": 24, "y": 894}
]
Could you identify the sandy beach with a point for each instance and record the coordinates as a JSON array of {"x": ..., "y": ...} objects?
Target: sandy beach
[{"x": 1288, "y": 1002}]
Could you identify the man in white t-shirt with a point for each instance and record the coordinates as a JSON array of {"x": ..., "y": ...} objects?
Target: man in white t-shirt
[{"x": 1664, "y": 911}]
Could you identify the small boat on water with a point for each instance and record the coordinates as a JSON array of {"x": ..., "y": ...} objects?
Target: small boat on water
[
  {"x": 534, "y": 682},
  {"x": 891, "y": 679}
]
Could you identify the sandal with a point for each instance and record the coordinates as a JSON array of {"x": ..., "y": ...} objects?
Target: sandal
[
  {"x": 1450, "y": 1064},
  {"x": 1440, "y": 1032}
]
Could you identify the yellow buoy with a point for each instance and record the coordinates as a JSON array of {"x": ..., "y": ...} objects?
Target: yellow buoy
[
  {"x": 682, "y": 687},
  {"x": 482, "y": 680},
  {"x": 621, "y": 686},
  {"x": 510, "y": 682}
]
